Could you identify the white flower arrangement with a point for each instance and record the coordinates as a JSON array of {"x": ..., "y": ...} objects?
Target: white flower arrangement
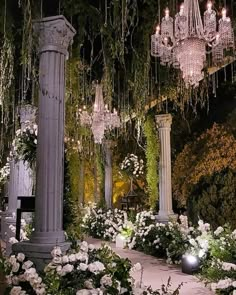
[
  {"x": 25, "y": 143},
  {"x": 5, "y": 172},
  {"x": 132, "y": 165}
]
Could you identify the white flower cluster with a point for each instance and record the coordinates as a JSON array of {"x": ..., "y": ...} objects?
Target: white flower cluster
[
  {"x": 23, "y": 232},
  {"x": 23, "y": 271},
  {"x": 132, "y": 165},
  {"x": 4, "y": 172},
  {"x": 24, "y": 138},
  {"x": 104, "y": 224}
]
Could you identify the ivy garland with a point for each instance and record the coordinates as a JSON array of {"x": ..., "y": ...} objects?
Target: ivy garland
[{"x": 152, "y": 157}]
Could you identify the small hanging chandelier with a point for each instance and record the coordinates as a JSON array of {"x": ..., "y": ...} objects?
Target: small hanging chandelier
[
  {"x": 185, "y": 41},
  {"x": 101, "y": 119}
]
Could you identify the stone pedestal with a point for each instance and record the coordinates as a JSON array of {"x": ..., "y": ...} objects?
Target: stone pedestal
[
  {"x": 165, "y": 191},
  {"x": 55, "y": 35},
  {"x": 108, "y": 145}
]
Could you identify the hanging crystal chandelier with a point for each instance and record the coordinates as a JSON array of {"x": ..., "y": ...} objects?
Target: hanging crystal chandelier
[
  {"x": 101, "y": 119},
  {"x": 185, "y": 41}
]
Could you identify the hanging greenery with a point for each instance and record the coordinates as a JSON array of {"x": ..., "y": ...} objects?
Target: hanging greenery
[
  {"x": 152, "y": 157},
  {"x": 6, "y": 69}
]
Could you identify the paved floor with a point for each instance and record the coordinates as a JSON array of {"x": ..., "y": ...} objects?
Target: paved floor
[{"x": 157, "y": 272}]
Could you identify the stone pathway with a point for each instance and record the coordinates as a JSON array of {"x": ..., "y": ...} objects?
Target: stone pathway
[{"x": 157, "y": 272}]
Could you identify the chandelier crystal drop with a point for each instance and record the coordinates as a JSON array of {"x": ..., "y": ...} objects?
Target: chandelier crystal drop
[
  {"x": 101, "y": 118},
  {"x": 183, "y": 42}
]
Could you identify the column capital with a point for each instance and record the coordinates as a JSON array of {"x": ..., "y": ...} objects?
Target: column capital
[
  {"x": 55, "y": 34},
  {"x": 164, "y": 120},
  {"x": 27, "y": 113}
]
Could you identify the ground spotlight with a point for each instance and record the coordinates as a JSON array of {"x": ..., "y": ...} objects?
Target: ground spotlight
[{"x": 190, "y": 264}]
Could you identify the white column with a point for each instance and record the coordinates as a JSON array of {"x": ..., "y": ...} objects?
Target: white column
[
  {"x": 165, "y": 190},
  {"x": 108, "y": 145},
  {"x": 55, "y": 35}
]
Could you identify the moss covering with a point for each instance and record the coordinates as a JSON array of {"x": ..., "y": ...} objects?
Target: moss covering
[{"x": 152, "y": 157}]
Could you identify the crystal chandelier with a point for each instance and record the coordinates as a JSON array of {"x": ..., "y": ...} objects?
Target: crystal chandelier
[
  {"x": 185, "y": 41},
  {"x": 101, "y": 119}
]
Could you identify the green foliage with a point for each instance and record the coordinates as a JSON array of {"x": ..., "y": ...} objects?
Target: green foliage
[
  {"x": 213, "y": 199},
  {"x": 71, "y": 209},
  {"x": 211, "y": 152},
  {"x": 152, "y": 157},
  {"x": 100, "y": 176},
  {"x": 6, "y": 69}
]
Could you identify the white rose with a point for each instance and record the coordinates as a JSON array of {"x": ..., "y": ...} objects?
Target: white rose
[
  {"x": 84, "y": 246},
  {"x": 27, "y": 264},
  {"x": 96, "y": 267},
  {"x": 15, "y": 267},
  {"x": 12, "y": 259},
  {"x": 72, "y": 257},
  {"x": 83, "y": 266},
  {"x": 56, "y": 252},
  {"x": 106, "y": 280},
  {"x": 16, "y": 290},
  {"x": 68, "y": 268},
  {"x": 88, "y": 284},
  {"x": 15, "y": 280},
  {"x": 20, "y": 257},
  {"x": 65, "y": 259}
]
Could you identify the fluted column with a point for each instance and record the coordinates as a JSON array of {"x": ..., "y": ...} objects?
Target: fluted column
[
  {"x": 108, "y": 145},
  {"x": 55, "y": 35},
  {"x": 165, "y": 190}
]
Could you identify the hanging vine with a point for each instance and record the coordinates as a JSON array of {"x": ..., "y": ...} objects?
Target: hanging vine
[{"x": 6, "y": 68}]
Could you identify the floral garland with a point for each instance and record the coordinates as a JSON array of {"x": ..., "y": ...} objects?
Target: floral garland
[{"x": 132, "y": 165}]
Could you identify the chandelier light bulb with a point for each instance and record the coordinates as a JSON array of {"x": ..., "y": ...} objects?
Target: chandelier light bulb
[
  {"x": 157, "y": 29},
  {"x": 181, "y": 10},
  {"x": 167, "y": 13},
  {"x": 209, "y": 6},
  {"x": 223, "y": 13},
  {"x": 84, "y": 107}
]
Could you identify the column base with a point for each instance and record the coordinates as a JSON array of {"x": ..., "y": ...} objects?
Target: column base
[
  {"x": 166, "y": 217},
  {"x": 39, "y": 253},
  {"x": 49, "y": 237}
]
